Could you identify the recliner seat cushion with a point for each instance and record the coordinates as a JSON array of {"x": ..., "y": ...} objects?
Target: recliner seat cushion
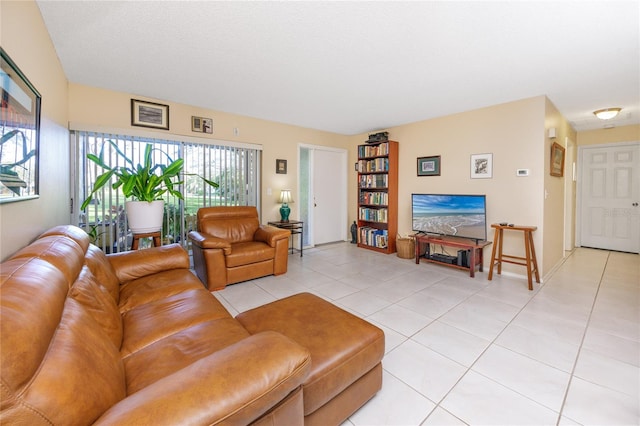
[{"x": 249, "y": 252}]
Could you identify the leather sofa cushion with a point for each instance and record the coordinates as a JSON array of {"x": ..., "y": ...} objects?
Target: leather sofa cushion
[
  {"x": 81, "y": 356},
  {"x": 235, "y": 224},
  {"x": 99, "y": 304},
  {"x": 29, "y": 317},
  {"x": 343, "y": 347},
  {"x": 233, "y": 230},
  {"x": 63, "y": 253},
  {"x": 155, "y": 287},
  {"x": 150, "y": 322},
  {"x": 101, "y": 268},
  {"x": 249, "y": 252},
  {"x": 176, "y": 351}
]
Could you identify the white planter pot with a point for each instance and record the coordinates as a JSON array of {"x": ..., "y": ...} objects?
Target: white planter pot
[{"x": 145, "y": 216}]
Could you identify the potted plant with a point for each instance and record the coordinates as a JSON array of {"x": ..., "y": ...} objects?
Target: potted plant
[{"x": 146, "y": 183}]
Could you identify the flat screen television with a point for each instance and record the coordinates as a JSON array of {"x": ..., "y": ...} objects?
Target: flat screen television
[{"x": 463, "y": 216}]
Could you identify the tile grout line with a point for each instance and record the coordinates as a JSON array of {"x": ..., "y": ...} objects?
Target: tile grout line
[
  {"x": 493, "y": 342},
  {"x": 584, "y": 334}
]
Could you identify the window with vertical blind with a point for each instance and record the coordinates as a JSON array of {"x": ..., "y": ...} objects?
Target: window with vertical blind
[{"x": 235, "y": 168}]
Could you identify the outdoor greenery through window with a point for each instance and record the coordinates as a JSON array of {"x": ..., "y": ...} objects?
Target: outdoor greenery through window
[{"x": 235, "y": 169}]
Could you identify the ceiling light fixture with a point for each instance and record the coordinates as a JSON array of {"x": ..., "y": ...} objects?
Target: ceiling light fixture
[{"x": 607, "y": 113}]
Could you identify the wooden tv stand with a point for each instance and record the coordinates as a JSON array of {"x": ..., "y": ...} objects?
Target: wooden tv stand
[{"x": 423, "y": 250}]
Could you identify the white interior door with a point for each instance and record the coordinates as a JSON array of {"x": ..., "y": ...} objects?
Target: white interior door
[
  {"x": 609, "y": 197},
  {"x": 328, "y": 196}
]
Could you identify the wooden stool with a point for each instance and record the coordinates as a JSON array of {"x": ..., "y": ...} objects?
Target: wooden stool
[
  {"x": 530, "y": 257},
  {"x": 154, "y": 235}
]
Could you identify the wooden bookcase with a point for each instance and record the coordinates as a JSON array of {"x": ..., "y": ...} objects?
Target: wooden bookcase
[{"x": 378, "y": 196}]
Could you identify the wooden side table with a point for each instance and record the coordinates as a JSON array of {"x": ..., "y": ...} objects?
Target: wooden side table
[
  {"x": 530, "y": 260},
  {"x": 136, "y": 239},
  {"x": 295, "y": 226}
]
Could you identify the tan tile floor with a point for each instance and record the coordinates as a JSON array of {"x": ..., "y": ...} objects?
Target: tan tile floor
[{"x": 471, "y": 351}]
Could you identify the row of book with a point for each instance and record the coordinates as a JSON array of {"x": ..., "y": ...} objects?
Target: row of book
[
  {"x": 373, "y": 215},
  {"x": 374, "y": 198},
  {"x": 373, "y": 237},
  {"x": 373, "y": 150},
  {"x": 374, "y": 181},
  {"x": 377, "y": 165}
]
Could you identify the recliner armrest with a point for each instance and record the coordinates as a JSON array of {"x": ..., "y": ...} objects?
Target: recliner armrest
[
  {"x": 270, "y": 234},
  {"x": 207, "y": 241},
  {"x": 235, "y": 385}
]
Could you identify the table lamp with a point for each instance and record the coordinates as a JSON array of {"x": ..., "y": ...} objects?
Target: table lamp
[{"x": 285, "y": 198}]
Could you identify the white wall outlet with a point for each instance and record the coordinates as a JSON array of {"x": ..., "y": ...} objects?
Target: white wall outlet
[
  {"x": 269, "y": 191},
  {"x": 522, "y": 172},
  {"x": 236, "y": 131}
]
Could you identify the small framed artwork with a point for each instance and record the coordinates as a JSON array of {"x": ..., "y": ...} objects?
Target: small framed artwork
[
  {"x": 429, "y": 166},
  {"x": 481, "y": 166},
  {"x": 281, "y": 167},
  {"x": 149, "y": 114},
  {"x": 557, "y": 160},
  {"x": 201, "y": 124}
]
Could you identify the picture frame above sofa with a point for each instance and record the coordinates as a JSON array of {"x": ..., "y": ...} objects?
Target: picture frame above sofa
[{"x": 149, "y": 114}]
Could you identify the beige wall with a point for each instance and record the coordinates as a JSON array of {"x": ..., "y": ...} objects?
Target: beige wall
[
  {"x": 93, "y": 107},
  {"x": 553, "y": 225},
  {"x": 25, "y": 39},
  {"x": 515, "y": 133},
  {"x": 616, "y": 134},
  {"x": 516, "y": 136}
]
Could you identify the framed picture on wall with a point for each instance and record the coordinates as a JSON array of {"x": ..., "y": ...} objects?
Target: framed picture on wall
[
  {"x": 481, "y": 166},
  {"x": 281, "y": 167},
  {"x": 149, "y": 114},
  {"x": 429, "y": 166},
  {"x": 201, "y": 124},
  {"x": 557, "y": 160}
]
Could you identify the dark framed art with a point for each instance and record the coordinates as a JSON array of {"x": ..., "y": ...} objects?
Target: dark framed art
[
  {"x": 557, "y": 160},
  {"x": 281, "y": 167},
  {"x": 201, "y": 124},
  {"x": 20, "y": 130},
  {"x": 429, "y": 166},
  {"x": 149, "y": 114}
]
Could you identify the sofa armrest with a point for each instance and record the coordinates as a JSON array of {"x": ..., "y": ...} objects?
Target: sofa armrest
[
  {"x": 235, "y": 385},
  {"x": 270, "y": 234},
  {"x": 131, "y": 265},
  {"x": 207, "y": 241}
]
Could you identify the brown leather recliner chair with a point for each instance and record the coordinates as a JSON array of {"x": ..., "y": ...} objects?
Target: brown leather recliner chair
[{"x": 231, "y": 246}]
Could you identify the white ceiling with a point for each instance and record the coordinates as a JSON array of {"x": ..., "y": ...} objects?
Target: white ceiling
[{"x": 355, "y": 67}]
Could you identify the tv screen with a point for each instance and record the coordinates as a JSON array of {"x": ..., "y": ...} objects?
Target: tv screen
[{"x": 462, "y": 216}]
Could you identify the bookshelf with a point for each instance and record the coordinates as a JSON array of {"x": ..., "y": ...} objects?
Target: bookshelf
[{"x": 378, "y": 196}]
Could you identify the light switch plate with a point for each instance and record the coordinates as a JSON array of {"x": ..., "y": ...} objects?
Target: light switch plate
[{"x": 522, "y": 172}]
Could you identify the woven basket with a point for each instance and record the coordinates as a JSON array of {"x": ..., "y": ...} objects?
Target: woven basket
[{"x": 406, "y": 247}]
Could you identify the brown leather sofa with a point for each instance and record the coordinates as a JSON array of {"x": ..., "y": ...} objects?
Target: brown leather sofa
[
  {"x": 231, "y": 246},
  {"x": 134, "y": 339}
]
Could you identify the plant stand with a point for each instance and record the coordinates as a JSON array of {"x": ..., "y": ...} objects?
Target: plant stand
[{"x": 136, "y": 239}]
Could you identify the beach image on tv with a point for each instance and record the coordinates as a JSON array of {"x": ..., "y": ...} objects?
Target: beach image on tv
[{"x": 458, "y": 215}]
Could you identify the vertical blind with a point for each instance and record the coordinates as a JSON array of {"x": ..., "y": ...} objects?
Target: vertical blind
[{"x": 235, "y": 169}]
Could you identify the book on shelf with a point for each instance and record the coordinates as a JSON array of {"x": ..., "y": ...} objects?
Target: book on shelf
[
  {"x": 374, "y": 181},
  {"x": 373, "y": 150},
  {"x": 374, "y": 237}
]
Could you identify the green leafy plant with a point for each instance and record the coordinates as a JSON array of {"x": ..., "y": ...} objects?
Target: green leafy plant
[{"x": 142, "y": 182}]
